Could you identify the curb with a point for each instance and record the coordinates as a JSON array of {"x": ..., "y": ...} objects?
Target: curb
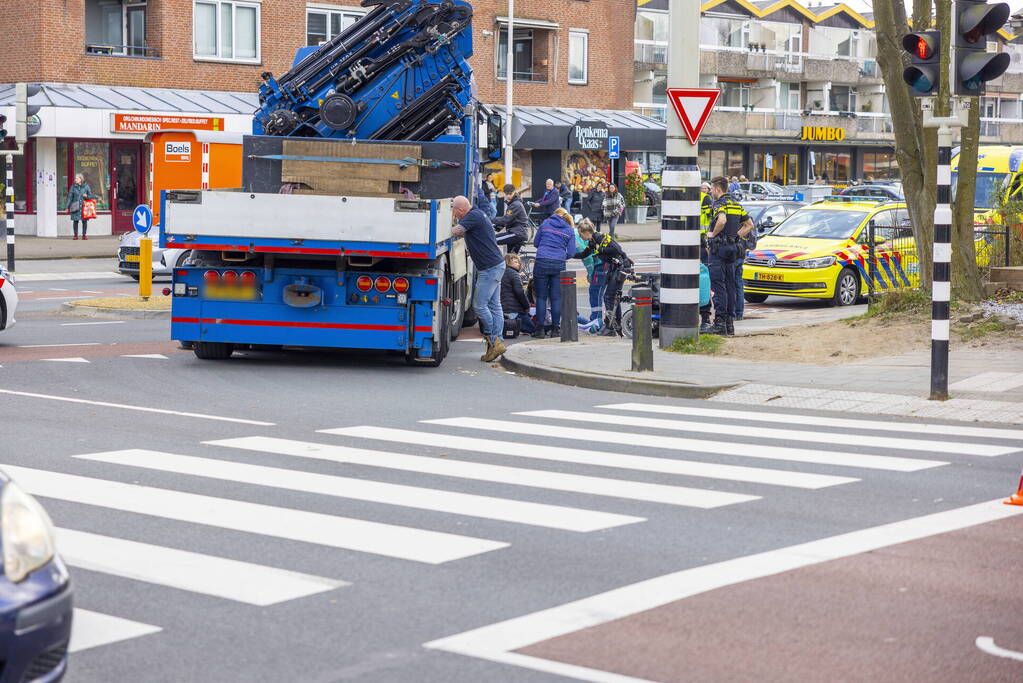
[
  {"x": 97, "y": 312},
  {"x": 588, "y": 380}
]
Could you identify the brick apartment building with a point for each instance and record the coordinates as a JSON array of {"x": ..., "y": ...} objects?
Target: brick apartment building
[{"x": 197, "y": 63}]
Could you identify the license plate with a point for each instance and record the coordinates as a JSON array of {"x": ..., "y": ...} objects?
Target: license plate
[
  {"x": 232, "y": 293},
  {"x": 770, "y": 277},
  {"x": 132, "y": 258}
]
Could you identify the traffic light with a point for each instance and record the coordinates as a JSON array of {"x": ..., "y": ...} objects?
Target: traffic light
[
  {"x": 924, "y": 72},
  {"x": 973, "y": 64},
  {"x": 3, "y": 127},
  {"x": 23, "y": 110}
]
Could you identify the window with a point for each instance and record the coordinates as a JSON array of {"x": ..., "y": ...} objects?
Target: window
[
  {"x": 226, "y": 30},
  {"x": 116, "y": 27},
  {"x": 578, "y": 56},
  {"x": 842, "y": 98},
  {"x": 324, "y": 25},
  {"x": 734, "y": 94},
  {"x": 522, "y": 55},
  {"x": 92, "y": 160},
  {"x": 24, "y": 190}
]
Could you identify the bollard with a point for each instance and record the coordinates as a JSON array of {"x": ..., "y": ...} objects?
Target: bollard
[
  {"x": 569, "y": 324},
  {"x": 9, "y": 210},
  {"x": 145, "y": 268},
  {"x": 642, "y": 330}
]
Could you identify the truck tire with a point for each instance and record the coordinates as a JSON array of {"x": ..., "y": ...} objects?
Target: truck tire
[
  {"x": 457, "y": 312},
  {"x": 213, "y": 350},
  {"x": 470, "y": 318}
]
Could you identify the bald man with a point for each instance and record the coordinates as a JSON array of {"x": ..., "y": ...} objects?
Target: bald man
[{"x": 481, "y": 241}]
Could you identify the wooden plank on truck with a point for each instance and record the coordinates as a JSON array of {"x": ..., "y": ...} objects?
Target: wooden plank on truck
[{"x": 347, "y": 177}]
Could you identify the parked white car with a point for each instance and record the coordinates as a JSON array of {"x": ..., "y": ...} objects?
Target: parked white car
[
  {"x": 164, "y": 260},
  {"x": 8, "y": 299}
]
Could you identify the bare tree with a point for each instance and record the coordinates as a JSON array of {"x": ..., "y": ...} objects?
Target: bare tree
[{"x": 966, "y": 282}]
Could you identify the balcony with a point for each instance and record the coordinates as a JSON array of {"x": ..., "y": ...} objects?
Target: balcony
[
  {"x": 121, "y": 50},
  {"x": 758, "y": 61}
]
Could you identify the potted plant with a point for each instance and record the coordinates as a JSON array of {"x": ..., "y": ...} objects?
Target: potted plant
[{"x": 635, "y": 198}]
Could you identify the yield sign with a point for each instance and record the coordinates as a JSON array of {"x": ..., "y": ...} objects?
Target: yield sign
[{"x": 693, "y": 105}]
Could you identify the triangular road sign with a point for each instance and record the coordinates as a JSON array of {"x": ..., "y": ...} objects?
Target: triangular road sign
[{"x": 693, "y": 106}]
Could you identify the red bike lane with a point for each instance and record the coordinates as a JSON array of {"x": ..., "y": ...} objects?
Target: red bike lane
[{"x": 907, "y": 612}]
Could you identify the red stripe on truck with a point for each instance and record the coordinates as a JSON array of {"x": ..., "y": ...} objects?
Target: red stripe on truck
[
  {"x": 308, "y": 325},
  {"x": 295, "y": 250}
]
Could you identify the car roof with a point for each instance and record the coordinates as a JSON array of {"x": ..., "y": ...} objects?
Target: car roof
[{"x": 839, "y": 203}]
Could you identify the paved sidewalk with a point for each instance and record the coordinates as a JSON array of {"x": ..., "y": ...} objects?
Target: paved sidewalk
[
  {"x": 30, "y": 248},
  {"x": 637, "y": 232},
  {"x": 891, "y": 385}
]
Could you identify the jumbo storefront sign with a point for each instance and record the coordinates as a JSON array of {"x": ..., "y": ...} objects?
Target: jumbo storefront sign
[{"x": 822, "y": 134}]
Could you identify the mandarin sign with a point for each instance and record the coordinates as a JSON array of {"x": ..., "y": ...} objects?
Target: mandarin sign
[
  {"x": 822, "y": 134},
  {"x": 147, "y": 123}
]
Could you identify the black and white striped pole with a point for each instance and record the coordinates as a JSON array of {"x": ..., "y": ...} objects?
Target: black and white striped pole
[
  {"x": 941, "y": 280},
  {"x": 9, "y": 210},
  {"x": 680, "y": 180},
  {"x": 941, "y": 284}
]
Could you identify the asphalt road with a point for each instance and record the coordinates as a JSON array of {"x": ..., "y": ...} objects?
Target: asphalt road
[{"x": 217, "y": 532}]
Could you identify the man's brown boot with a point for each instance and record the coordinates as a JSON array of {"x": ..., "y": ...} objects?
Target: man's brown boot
[{"x": 490, "y": 347}]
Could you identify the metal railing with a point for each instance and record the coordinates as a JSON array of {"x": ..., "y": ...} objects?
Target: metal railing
[
  {"x": 892, "y": 263},
  {"x": 120, "y": 50}
]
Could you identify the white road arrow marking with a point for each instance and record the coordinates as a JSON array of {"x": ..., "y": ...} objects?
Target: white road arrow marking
[
  {"x": 66, "y": 360},
  {"x": 987, "y": 644}
]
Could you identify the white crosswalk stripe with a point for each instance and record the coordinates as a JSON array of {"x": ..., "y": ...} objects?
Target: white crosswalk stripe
[
  {"x": 914, "y": 427},
  {"x": 88, "y": 275},
  {"x": 821, "y": 457},
  {"x": 217, "y": 576},
  {"x": 431, "y": 547},
  {"x": 574, "y": 483},
  {"x": 792, "y": 434},
  {"x": 91, "y": 629},
  {"x": 486, "y": 507},
  {"x": 641, "y": 463}
]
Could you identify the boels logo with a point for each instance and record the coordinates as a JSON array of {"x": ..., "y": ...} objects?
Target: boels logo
[
  {"x": 177, "y": 151},
  {"x": 822, "y": 134}
]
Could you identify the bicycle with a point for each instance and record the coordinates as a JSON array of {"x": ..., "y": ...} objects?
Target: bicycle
[{"x": 653, "y": 281}]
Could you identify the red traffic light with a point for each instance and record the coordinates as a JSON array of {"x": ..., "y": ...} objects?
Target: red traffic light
[{"x": 923, "y": 48}]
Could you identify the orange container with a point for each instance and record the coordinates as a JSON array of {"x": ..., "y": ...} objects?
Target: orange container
[{"x": 193, "y": 160}]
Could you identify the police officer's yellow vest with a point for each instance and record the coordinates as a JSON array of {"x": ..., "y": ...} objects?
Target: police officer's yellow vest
[{"x": 706, "y": 208}]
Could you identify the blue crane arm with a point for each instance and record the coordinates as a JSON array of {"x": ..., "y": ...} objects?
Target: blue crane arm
[{"x": 399, "y": 73}]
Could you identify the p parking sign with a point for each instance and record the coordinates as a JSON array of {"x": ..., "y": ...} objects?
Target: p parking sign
[{"x": 614, "y": 146}]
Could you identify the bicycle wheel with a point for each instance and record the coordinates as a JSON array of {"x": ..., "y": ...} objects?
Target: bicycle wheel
[{"x": 627, "y": 323}]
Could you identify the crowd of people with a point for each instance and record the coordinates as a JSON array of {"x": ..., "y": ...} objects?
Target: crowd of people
[{"x": 501, "y": 299}]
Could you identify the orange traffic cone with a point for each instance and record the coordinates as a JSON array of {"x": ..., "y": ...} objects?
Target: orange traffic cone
[{"x": 1016, "y": 498}]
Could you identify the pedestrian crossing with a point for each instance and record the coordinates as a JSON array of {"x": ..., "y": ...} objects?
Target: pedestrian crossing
[{"x": 594, "y": 469}]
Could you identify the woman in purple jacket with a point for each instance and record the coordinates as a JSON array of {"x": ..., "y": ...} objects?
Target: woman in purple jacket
[{"x": 555, "y": 244}]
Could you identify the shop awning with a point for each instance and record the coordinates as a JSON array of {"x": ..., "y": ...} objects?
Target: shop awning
[
  {"x": 522, "y": 22},
  {"x": 549, "y": 127},
  {"x": 72, "y": 95}
]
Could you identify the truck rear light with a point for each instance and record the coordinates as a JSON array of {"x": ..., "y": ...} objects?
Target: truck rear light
[
  {"x": 181, "y": 273},
  {"x": 229, "y": 278},
  {"x": 382, "y": 284},
  {"x": 400, "y": 285},
  {"x": 248, "y": 278},
  {"x": 211, "y": 277},
  {"x": 364, "y": 283},
  {"x": 431, "y": 281}
]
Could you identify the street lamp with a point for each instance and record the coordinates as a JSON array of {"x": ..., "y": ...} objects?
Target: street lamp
[{"x": 509, "y": 74}]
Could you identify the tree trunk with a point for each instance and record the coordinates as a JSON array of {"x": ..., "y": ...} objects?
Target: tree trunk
[
  {"x": 966, "y": 284},
  {"x": 915, "y": 146}
]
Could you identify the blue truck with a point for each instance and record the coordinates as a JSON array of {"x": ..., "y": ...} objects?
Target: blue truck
[{"x": 340, "y": 235}]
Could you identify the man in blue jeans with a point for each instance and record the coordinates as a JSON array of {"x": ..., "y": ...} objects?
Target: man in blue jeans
[{"x": 481, "y": 242}]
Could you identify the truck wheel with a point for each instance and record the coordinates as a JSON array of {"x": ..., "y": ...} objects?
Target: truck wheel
[
  {"x": 470, "y": 318},
  {"x": 213, "y": 350},
  {"x": 755, "y": 298},
  {"x": 457, "y": 312}
]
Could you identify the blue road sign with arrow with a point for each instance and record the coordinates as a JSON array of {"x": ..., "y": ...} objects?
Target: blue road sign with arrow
[
  {"x": 142, "y": 218},
  {"x": 614, "y": 146}
]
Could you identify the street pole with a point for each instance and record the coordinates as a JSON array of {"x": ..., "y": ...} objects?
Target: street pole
[
  {"x": 941, "y": 286},
  {"x": 680, "y": 206},
  {"x": 508, "y": 105},
  {"x": 9, "y": 212}
]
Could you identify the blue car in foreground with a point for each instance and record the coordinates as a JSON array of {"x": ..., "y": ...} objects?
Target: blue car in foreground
[{"x": 35, "y": 592}]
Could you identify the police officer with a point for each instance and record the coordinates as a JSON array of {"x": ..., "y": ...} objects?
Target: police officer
[
  {"x": 730, "y": 225},
  {"x": 706, "y": 211}
]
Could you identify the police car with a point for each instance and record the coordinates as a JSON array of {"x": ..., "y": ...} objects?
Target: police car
[{"x": 8, "y": 300}]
